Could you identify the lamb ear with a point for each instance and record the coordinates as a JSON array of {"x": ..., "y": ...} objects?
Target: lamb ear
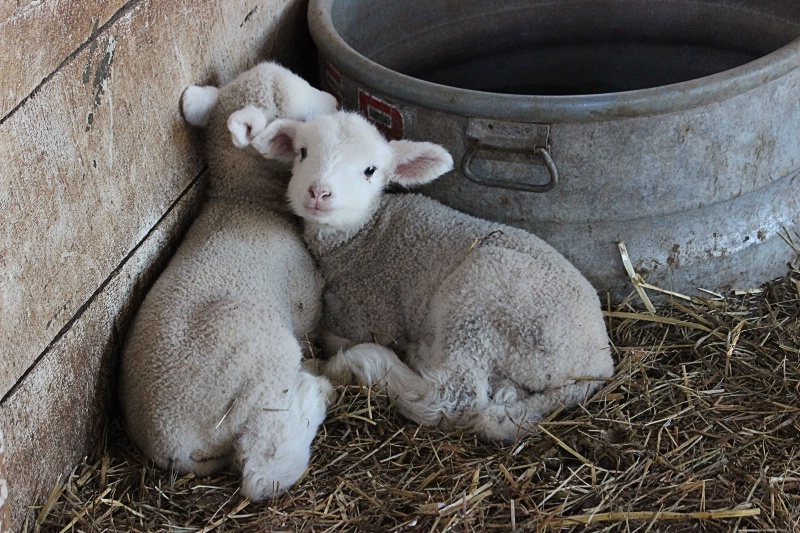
[
  {"x": 197, "y": 102},
  {"x": 246, "y": 123},
  {"x": 417, "y": 163},
  {"x": 277, "y": 140}
]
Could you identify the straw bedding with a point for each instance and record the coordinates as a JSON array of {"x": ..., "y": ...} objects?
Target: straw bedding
[{"x": 698, "y": 430}]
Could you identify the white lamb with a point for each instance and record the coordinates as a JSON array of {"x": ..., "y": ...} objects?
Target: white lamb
[
  {"x": 211, "y": 370},
  {"x": 499, "y": 328}
]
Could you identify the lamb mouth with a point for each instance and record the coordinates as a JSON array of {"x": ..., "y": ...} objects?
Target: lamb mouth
[{"x": 316, "y": 212}]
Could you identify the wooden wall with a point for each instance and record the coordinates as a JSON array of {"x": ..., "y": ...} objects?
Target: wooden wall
[
  {"x": 99, "y": 178},
  {"x": 5, "y": 514}
]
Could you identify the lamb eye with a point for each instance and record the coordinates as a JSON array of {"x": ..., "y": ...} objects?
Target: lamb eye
[
  {"x": 369, "y": 171},
  {"x": 303, "y": 153}
]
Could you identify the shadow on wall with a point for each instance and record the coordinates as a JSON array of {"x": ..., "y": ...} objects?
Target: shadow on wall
[{"x": 293, "y": 46}]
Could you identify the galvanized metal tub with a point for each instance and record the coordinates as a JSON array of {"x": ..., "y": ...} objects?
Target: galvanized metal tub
[{"x": 670, "y": 125}]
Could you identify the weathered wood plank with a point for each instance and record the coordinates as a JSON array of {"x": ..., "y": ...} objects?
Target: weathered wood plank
[
  {"x": 5, "y": 509},
  {"x": 54, "y": 417},
  {"x": 36, "y": 36},
  {"x": 91, "y": 162}
]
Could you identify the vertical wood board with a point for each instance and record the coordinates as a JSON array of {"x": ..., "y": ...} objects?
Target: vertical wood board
[
  {"x": 5, "y": 509},
  {"x": 36, "y": 36},
  {"x": 53, "y": 419},
  {"x": 94, "y": 159}
]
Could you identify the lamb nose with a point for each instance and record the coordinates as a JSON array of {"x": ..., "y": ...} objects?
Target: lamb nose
[{"x": 318, "y": 194}]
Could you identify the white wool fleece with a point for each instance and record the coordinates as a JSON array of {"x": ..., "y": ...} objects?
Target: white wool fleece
[
  {"x": 487, "y": 309},
  {"x": 211, "y": 368},
  {"x": 499, "y": 327}
]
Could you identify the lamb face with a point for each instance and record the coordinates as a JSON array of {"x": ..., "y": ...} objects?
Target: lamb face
[
  {"x": 341, "y": 165},
  {"x": 339, "y": 171}
]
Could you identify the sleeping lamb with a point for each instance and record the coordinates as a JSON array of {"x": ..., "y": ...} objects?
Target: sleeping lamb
[
  {"x": 211, "y": 370},
  {"x": 498, "y": 327}
]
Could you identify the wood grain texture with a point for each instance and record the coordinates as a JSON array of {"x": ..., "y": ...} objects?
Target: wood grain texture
[
  {"x": 5, "y": 508},
  {"x": 36, "y": 36},
  {"x": 92, "y": 161},
  {"x": 95, "y": 158},
  {"x": 54, "y": 417}
]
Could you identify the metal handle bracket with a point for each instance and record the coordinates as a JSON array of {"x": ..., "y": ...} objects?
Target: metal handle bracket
[{"x": 511, "y": 138}]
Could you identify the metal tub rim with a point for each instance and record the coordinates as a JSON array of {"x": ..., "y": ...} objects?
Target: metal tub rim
[{"x": 531, "y": 108}]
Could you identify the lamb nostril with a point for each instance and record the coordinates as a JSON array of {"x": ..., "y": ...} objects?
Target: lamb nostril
[{"x": 317, "y": 194}]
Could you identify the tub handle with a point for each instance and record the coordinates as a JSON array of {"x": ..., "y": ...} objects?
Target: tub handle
[{"x": 510, "y": 138}]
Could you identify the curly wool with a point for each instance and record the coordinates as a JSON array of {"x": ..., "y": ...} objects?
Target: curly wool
[
  {"x": 211, "y": 369},
  {"x": 496, "y": 327},
  {"x": 519, "y": 320}
]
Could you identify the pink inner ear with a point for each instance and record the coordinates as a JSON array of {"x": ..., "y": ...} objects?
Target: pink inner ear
[
  {"x": 283, "y": 144},
  {"x": 419, "y": 166}
]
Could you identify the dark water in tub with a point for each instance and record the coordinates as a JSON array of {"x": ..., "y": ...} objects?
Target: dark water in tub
[{"x": 584, "y": 69}]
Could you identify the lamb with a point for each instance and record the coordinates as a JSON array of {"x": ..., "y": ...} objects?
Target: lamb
[
  {"x": 498, "y": 328},
  {"x": 211, "y": 371}
]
